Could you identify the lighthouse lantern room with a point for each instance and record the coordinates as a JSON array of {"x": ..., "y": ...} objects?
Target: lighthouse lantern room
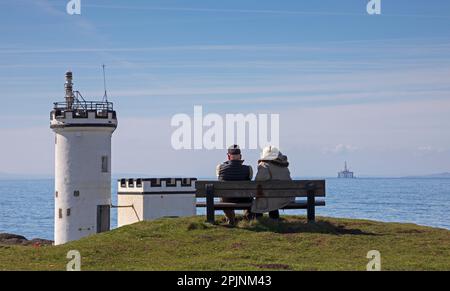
[{"x": 83, "y": 132}]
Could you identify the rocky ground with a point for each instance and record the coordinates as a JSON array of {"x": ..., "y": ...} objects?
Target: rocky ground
[{"x": 13, "y": 239}]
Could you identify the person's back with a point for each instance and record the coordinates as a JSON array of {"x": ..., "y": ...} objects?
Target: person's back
[
  {"x": 272, "y": 166},
  {"x": 276, "y": 169},
  {"x": 234, "y": 170}
]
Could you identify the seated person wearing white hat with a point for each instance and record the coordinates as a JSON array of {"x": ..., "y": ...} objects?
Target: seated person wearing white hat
[
  {"x": 234, "y": 170},
  {"x": 273, "y": 165}
]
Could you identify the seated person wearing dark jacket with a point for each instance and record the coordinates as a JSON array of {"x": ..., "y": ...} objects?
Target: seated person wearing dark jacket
[{"x": 234, "y": 170}]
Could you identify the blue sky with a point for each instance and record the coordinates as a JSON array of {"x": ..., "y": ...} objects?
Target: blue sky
[{"x": 373, "y": 90}]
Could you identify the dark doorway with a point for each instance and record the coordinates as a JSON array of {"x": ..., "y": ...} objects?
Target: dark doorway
[{"x": 103, "y": 218}]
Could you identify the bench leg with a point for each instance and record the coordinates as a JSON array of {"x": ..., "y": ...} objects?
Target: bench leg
[
  {"x": 210, "y": 203},
  {"x": 311, "y": 207}
]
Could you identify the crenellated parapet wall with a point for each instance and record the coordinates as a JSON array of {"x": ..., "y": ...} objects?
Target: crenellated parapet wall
[{"x": 146, "y": 199}]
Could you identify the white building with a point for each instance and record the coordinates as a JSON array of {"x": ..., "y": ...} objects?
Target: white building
[
  {"x": 83, "y": 131},
  {"x": 147, "y": 199}
]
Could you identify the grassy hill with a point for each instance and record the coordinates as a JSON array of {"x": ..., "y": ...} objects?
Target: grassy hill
[{"x": 292, "y": 244}]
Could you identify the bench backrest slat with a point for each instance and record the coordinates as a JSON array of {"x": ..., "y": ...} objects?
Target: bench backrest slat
[{"x": 296, "y": 188}]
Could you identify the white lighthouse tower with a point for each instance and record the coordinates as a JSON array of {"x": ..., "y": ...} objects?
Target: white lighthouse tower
[{"x": 83, "y": 131}]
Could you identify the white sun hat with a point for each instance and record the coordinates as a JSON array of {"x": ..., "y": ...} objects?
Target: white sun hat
[{"x": 270, "y": 153}]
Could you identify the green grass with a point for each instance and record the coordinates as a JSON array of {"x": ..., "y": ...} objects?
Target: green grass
[{"x": 291, "y": 244}]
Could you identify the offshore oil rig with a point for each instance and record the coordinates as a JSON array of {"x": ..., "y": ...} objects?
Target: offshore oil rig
[{"x": 346, "y": 173}]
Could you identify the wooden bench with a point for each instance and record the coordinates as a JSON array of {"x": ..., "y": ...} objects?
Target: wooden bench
[{"x": 309, "y": 189}]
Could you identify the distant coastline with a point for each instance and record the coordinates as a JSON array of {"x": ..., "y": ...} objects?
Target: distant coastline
[
  {"x": 444, "y": 175},
  {"x": 9, "y": 176}
]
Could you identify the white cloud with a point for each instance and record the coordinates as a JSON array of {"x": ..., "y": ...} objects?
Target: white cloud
[
  {"x": 427, "y": 150},
  {"x": 253, "y": 11},
  {"x": 341, "y": 149}
]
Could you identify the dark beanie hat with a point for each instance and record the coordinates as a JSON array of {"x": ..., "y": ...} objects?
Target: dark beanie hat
[{"x": 234, "y": 150}]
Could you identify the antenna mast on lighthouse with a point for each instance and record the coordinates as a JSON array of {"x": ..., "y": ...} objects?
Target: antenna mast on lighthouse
[{"x": 105, "y": 95}]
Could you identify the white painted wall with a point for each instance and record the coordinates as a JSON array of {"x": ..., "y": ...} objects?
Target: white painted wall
[
  {"x": 177, "y": 205},
  {"x": 148, "y": 203},
  {"x": 128, "y": 215},
  {"x": 78, "y": 167}
]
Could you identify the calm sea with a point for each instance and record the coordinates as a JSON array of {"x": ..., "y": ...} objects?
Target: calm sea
[{"x": 26, "y": 207}]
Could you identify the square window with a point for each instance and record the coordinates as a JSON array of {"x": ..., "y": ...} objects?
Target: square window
[{"x": 76, "y": 193}]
